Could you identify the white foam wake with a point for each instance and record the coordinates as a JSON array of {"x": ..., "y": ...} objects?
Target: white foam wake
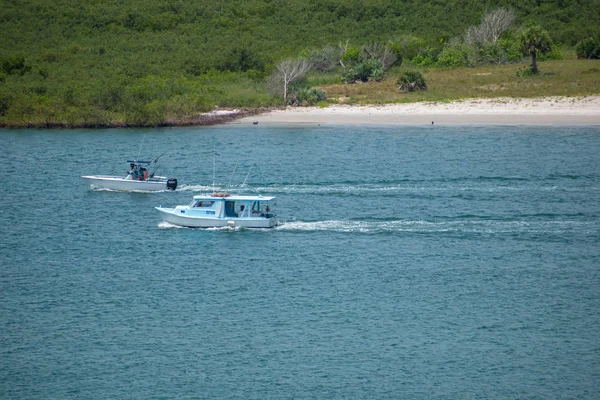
[
  {"x": 167, "y": 225},
  {"x": 463, "y": 226},
  {"x": 194, "y": 188}
]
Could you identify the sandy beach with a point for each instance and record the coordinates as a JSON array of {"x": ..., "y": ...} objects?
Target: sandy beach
[{"x": 498, "y": 111}]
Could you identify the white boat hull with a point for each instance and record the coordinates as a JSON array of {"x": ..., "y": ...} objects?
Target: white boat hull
[
  {"x": 127, "y": 185},
  {"x": 175, "y": 217}
]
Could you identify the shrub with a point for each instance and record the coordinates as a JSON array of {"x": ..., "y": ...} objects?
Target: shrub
[
  {"x": 491, "y": 53},
  {"x": 39, "y": 90},
  {"x": 306, "y": 96},
  {"x": 412, "y": 81},
  {"x": 15, "y": 66},
  {"x": 407, "y": 47},
  {"x": 5, "y": 102},
  {"x": 553, "y": 54},
  {"x": 351, "y": 56},
  {"x": 427, "y": 56},
  {"x": 424, "y": 61},
  {"x": 110, "y": 97},
  {"x": 512, "y": 48},
  {"x": 377, "y": 71},
  {"x": 453, "y": 56},
  {"x": 525, "y": 72},
  {"x": 588, "y": 48},
  {"x": 364, "y": 71},
  {"x": 241, "y": 59},
  {"x": 377, "y": 50},
  {"x": 349, "y": 75},
  {"x": 398, "y": 50},
  {"x": 325, "y": 59},
  {"x": 49, "y": 56}
]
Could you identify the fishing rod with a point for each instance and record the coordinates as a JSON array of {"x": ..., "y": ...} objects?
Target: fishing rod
[
  {"x": 156, "y": 159},
  {"x": 158, "y": 166}
]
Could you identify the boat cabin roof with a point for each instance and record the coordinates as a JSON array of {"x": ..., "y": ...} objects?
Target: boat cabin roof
[
  {"x": 139, "y": 162},
  {"x": 233, "y": 197}
]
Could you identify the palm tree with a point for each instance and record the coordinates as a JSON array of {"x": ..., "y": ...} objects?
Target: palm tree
[{"x": 533, "y": 40}]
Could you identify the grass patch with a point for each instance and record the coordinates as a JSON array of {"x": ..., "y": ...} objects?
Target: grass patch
[
  {"x": 315, "y": 78},
  {"x": 569, "y": 77}
]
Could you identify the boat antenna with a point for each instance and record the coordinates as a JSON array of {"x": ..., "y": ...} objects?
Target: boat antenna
[
  {"x": 214, "y": 166},
  {"x": 247, "y": 175},
  {"x": 140, "y": 150},
  {"x": 154, "y": 172},
  {"x": 260, "y": 176},
  {"x": 231, "y": 177},
  {"x": 260, "y": 173}
]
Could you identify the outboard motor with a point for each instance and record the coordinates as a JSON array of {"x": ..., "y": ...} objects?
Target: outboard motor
[{"x": 171, "y": 183}]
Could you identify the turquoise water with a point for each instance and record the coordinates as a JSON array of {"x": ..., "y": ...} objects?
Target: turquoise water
[{"x": 411, "y": 263}]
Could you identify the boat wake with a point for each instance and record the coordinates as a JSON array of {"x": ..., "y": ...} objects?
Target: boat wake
[
  {"x": 405, "y": 187},
  {"x": 167, "y": 225},
  {"x": 195, "y": 188},
  {"x": 95, "y": 189},
  {"x": 458, "y": 227},
  {"x": 432, "y": 227}
]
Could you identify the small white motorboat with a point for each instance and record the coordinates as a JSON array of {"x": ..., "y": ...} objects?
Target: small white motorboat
[
  {"x": 138, "y": 179},
  {"x": 223, "y": 210}
]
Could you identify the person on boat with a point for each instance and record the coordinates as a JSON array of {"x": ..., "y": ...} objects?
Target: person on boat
[
  {"x": 133, "y": 173},
  {"x": 130, "y": 172},
  {"x": 241, "y": 210}
]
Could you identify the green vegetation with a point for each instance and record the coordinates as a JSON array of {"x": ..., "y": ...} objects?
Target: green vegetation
[
  {"x": 103, "y": 63},
  {"x": 307, "y": 96},
  {"x": 535, "y": 40},
  {"x": 569, "y": 77},
  {"x": 588, "y": 48},
  {"x": 412, "y": 81}
]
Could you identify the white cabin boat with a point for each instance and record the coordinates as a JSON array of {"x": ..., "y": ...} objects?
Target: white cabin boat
[
  {"x": 138, "y": 179},
  {"x": 221, "y": 210}
]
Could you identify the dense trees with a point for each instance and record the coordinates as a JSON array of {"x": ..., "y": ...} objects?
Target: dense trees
[{"x": 588, "y": 48}]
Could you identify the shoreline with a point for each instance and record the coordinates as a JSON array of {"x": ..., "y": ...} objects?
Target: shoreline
[
  {"x": 498, "y": 111},
  {"x": 562, "y": 111},
  {"x": 215, "y": 117}
]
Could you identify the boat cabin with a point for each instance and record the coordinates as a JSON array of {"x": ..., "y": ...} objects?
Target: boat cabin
[{"x": 223, "y": 205}]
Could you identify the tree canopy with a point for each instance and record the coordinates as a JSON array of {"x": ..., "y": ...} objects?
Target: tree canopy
[
  {"x": 534, "y": 40},
  {"x": 95, "y": 60}
]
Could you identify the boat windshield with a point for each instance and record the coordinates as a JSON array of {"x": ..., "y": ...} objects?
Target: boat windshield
[{"x": 202, "y": 203}]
